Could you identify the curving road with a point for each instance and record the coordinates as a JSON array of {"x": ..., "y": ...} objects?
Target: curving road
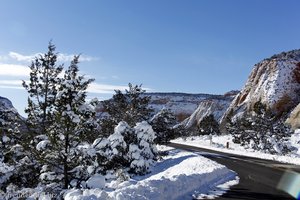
[{"x": 258, "y": 177}]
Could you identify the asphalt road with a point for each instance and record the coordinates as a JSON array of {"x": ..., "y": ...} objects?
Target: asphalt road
[{"x": 258, "y": 177}]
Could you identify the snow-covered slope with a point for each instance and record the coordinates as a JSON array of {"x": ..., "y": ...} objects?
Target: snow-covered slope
[
  {"x": 181, "y": 104},
  {"x": 275, "y": 81},
  {"x": 7, "y": 110},
  {"x": 294, "y": 118},
  {"x": 5, "y": 104},
  {"x": 180, "y": 175},
  {"x": 215, "y": 105}
]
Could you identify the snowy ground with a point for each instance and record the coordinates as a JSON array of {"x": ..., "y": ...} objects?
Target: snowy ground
[
  {"x": 219, "y": 144},
  {"x": 180, "y": 175}
]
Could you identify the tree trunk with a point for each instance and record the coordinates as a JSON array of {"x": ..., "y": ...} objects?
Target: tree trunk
[{"x": 66, "y": 178}]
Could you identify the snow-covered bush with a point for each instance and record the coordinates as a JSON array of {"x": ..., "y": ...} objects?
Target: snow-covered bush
[
  {"x": 208, "y": 125},
  {"x": 261, "y": 131},
  {"x": 131, "y": 107},
  {"x": 125, "y": 152},
  {"x": 16, "y": 167},
  {"x": 143, "y": 153},
  {"x": 163, "y": 123},
  {"x": 129, "y": 149}
]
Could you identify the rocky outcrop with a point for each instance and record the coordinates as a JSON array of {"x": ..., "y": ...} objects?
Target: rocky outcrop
[
  {"x": 294, "y": 118},
  {"x": 5, "y": 103},
  {"x": 7, "y": 111},
  {"x": 215, "y": 105},
  {"x": 181, "y": 104},
  {"x": 274, "y": 81}
]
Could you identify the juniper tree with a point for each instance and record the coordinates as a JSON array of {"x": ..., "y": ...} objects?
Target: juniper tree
[
  {"x": 16, "y": 166},
  {"x": 163, "y": 123},
  {"x": 131, "y": 107},
  {"x": 9, "y": 131},
  {"x": 129, "y": 149},
  {"x": 9, "y": 137},
  {"x": 42, "y": 89},
  {"x": 73, "y": 124},
  {"x": 261, "y": 131},
  {"x": 208, "y": 125}
]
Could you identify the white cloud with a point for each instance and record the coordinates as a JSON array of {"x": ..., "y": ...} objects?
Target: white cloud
[
  {"x": 104, "y": 88},
  {"x": 11, "y": 87},
  {"x": 94, "y": 88},
  {"x": 83, "y": 58},
  {"x": 61, "y": 57},
  {"x": 3, "y": 58},
  {"x": 11, "y": 84},
  {"x": 24, "y": 58},
  {"x": 13, "y": 70}
]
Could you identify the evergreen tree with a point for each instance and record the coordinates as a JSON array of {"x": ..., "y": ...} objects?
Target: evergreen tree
[
  {"x": 8, "y": 139},
  {"x": 131, "y": 149},
  {"x": 16, "y": 166},
  {"x": 131, "y": 107},
  {"x": 42, "y": 89},
  {"x": 208, "y": 125},
  {"x": 163, "y": 123},
  {"x": 73, "y": 122},
  {"x": 261, "y": 131},
  {"x": 9, "y": 132}
]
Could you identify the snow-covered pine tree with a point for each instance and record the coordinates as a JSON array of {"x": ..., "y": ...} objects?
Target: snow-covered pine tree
[
  {"x": 73, "y": 120},
  {"x": 9, "y": 131},
  {"x": 127, "y": 149},
  {"x": 9, "y": 137},
  {"x": 261, "y": 131},
  {"x": 17, "y": 169},
  {"x": 163, "y": 123},
  {"x": 240, "y": 129},
  {"x": 138, "y": 108},
  {"x": 42, "y": 90},
  {"x": 271, "y": 133},
  {"x": 208, "y": 125},
  {"x": 131, "y": 107},
  {"x": 142, "y": 154}
]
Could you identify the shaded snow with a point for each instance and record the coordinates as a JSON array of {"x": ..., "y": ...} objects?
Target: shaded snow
[
  {"x": 181, "y": 175},
  {"x": 42, "y": 145},
  {"x": 96, "y": 181}
]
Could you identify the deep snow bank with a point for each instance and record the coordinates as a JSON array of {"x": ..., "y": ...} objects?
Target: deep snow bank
[{"x": 180, "y": 175}]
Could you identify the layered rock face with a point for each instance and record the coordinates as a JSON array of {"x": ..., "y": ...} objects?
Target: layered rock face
[
  {"x": 274, "y": 81},
  {"x": 294, "y": 118},
  {"x": 181, "y": 104},
  {"x": 215, "y": 105},
  {"x": 184, "y": 105}
]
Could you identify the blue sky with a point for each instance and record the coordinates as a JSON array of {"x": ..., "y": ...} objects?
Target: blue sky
[{"x": 193, "y": 46}]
